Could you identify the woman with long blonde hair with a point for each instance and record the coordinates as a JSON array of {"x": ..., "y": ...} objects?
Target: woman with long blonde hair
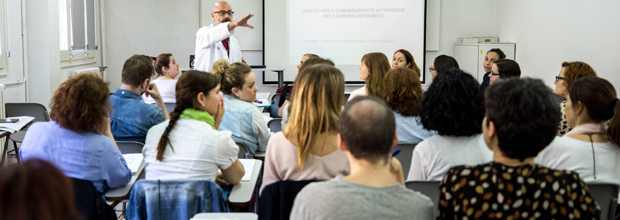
[{"x": 307, "y": 148}]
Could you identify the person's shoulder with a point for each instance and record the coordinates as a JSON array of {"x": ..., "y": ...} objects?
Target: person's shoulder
[
  {"x": 321, "y": 189},
  {"x": 416, "y": 198}
]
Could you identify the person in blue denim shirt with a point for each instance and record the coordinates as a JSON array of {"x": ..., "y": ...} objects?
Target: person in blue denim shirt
[{"x": 131, "y": 117}]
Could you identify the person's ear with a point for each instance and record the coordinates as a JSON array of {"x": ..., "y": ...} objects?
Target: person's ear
[
  {"x": 165, "y": 69},
  {"x": 492, "y": 133},
  {"x": 236, "y": 92},
  {"x": 578, "y": 108},
  {"x": 201, "y": 98},
  {"x": 408, "y": 65},
  {"x": 213, "y": 16},
  {"x": 145, "y": 84},
  {"x": 341, "y": 145},
  {"x": 395, "y": 141}
]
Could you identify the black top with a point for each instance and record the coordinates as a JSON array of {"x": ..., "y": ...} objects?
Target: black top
[{"x": 494, "y": 190}]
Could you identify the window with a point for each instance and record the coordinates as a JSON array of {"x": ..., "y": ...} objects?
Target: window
[
  {"x": 3, "y": 40},
  {"x": 77, "y": 32}
]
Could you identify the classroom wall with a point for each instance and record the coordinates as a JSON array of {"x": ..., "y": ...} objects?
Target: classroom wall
[{"x": 550, "y": 32}]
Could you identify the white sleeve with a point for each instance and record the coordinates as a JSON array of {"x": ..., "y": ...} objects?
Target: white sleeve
[
  {"x": 285, "y": 115},
  {"x": 205, "y": 37},
  {"x": 226, "y": 150},
  {"x": 261, "y": 129},
  {"x": 418, "y": 168}
]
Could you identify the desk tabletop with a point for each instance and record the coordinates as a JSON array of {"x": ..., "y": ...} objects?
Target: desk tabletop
[
  {"x": 242, "y": 192},
  {"x": 123, "y": 192}
]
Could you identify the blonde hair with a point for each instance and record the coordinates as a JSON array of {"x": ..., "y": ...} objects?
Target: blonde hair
[
  {"x": 316, "y": 102},
  {"x": 231, "y": 75},
  {"x": 378, "y": 65}
]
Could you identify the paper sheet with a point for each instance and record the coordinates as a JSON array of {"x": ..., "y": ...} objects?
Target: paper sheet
[
  {"x": 248, "y": 165},
  {"x": 133, "y": 161},
  {"x": 14, "y": 127}
]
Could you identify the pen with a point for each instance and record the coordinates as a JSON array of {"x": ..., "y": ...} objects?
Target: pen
[{"x": 395, "y": 152}]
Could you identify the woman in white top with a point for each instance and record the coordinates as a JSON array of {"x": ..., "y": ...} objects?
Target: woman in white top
[
  {"x": 402, "y": 92},
  {"x": 588, "y": 149},
  {"x": 373, "y": 69},
  {"x": 307, "y": 149},
  {"x": 167, "y": 70},
  {"x": 242, "y": 117},
  {"x": 189, "y": 146},
  {"x": 453, "y": 107}
]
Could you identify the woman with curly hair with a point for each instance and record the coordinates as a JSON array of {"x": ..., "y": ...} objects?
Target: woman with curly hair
[
  {"x": 78, "y": 140},
  {"x": 452, "y": 106},
  {"x": 373, "y": 69},
  {"x": 570, "y": 72},
  {"x": 403, "y": 94}
]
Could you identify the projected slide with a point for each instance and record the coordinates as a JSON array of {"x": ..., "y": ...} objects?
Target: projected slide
[{"x": 345, "y": 30}]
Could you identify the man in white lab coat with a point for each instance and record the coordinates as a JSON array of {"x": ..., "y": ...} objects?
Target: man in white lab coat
[{"x": 216, "y": 41}]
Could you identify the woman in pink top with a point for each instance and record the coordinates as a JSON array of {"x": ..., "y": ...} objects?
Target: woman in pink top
[{"x": 307, "y": 148}]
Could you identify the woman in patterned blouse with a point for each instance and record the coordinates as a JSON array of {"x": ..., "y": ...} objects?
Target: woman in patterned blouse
[
  {"x": 513, "y": 186},
  {"x": 570, "y": 72}
]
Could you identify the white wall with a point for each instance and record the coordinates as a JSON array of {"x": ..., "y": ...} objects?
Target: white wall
[
  {"x": 148, "y": 27},
  {"x": 550, "y": 32}
]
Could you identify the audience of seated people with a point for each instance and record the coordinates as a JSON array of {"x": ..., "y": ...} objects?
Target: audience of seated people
[
  {"x": 491, "y": 56},
  {"x": 442, "y": 63},
  {"x": 504, "y": 69},
  {"x": 373, "y": 69},
  {"x": 189, "y": 145},
  {"x": 242, "y": 118},
  {"x": 286, "y": 89},
  {"x": 167, "y": 70},
  {"x": 403, "y": 59},
  {"x": 78, "y": 140},
  {"x": 590, "y": 103},
  {"x": 453, "y": 107},
  {"x": 375, "y": 188},
  {"x": 513, "y": 186},
  {"x": 131, "y": 118},
  {"x": 570, "y": 72},
  {"x": 402, "y": 92},
  {"x": 307, "y": 147}
]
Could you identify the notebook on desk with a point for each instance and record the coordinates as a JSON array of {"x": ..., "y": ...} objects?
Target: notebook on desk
[
  {"x": 133, "y": 161},
  {"x": 248, "y": 165}
]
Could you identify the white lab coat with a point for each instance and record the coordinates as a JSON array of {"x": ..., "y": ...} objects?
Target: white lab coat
[{"x": 209, "y": 47}]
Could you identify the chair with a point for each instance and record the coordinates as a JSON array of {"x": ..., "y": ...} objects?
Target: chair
[
  {"x": 232, "y": 215},
  {"x": 405, "y": 156},
  {"x": 276, "y": 201},
  {"x": 88, "y": 201},
  {"x": 275, "y": 125},
  {"x": 174, "y": 199},
  {"x": 346, "y": 98},
  {"x": 607, "y": 197},
  {"x": 428, "y": 188},
  {"x": 244, "y": 151},
  {"x": 130, "y": 147},
  {"x": 170, "y": 107},
  {"x": 36, "y": 110}
]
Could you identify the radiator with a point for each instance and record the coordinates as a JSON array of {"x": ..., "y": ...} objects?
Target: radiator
[
  {"x": 92, "y": 70},
  {"x": 2, "y": 115}
]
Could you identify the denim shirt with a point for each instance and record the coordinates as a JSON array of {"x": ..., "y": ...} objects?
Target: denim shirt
[
  {"x": 238, "y": 119},
  {"x": 174, "y": 199},
  {"x": 131, "y": 117}
]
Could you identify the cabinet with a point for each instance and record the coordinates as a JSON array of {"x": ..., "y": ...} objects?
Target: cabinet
[{"x": 471, "y": 56}]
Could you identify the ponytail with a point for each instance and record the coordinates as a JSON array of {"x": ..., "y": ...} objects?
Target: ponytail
[{"x": 613, "y": 132}]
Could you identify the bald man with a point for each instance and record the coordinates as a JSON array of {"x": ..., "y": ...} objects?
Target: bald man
[{"x": 216, "y": 42}]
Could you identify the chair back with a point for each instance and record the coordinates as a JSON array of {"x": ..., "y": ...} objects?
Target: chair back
[
  {"x": 230, "y": 215},
  {"x": 174, "y": 199},
  {"x": 88, "y": 201},
  {"x": 405, "y": 156},
  {"x": 170, "y": 107},
  {"x": 276, "y": 201},
  {"x": 428, "y": 188},
  {"x": 346, "y": 98},
  {"x": 606, "y": 195},
  {"x": 244, "y": 151},
  {"x": 130, "y": 147},
  {"x": 36, "y": 110},
  {"x": 275, "y": 125}
]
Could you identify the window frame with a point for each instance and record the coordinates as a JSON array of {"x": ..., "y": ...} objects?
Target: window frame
[{"x": 89, "y": 54}]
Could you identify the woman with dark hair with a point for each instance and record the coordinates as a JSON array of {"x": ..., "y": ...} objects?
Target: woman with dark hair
[
  {"x": 373, "y": 69},
  {"x": 36, "y": 190},
  {"x": 403, "y": 94},
  {"x": 453, "y": 107},
  {"x": 491, "y": 56},
  {"x": 189, "y": 145},
  {"x": 504, "y": 69},
  {"x": 591, "y": 102},
  {"x": 441, "y": 64},
  {"x": 167, "y": 70},
  {"x": 570, "y": 72},
  {"x": 78, "y": 140},
  {"x": 403, "y": 59}
]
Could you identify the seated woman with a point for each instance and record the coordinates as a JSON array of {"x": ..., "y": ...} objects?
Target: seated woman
[
  {"x": 513, "y": 186},
  {"x": 570, "y": 72},
  {"x": 307, "y": 148},
  {"x": 403, "y": 94},
  {"x": 78, "y": 140},
  {"x": 373, "y": 69},
  {"x": 441, "y": 64},
  {"x": 242, "y": 118},
  {"x": 591, "y": 102},
  {"x": 491, "y": 56},
  {"x": 504, "y": 69},
  {"x": 403, "y": 59},
  {"x": 167, "y": 70},
  {"x": 189, "y": 145},
  {"x": 453, "y": 107}
]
